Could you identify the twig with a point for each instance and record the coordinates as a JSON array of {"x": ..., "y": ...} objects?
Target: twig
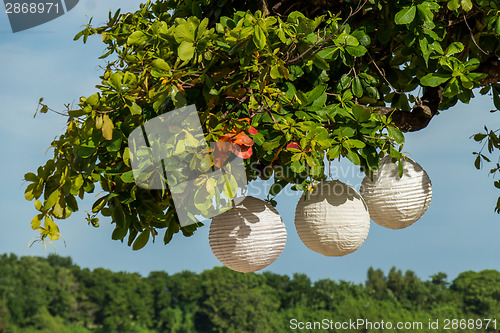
[
  {"x": 264, "y": 7},
  {"x": 472, "y": 36},
  {"x": 382, "y": 74},
  {"x": 321, "y": 42}
]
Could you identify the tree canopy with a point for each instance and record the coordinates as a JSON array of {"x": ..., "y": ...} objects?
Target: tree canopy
[
  {"x": 53, "y": 294},
  {"x": 296, "y": 84}
]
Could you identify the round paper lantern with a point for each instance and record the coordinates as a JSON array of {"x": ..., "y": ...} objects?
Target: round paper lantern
[
  {"x": 332, "y": 220},
  {"x": 249, "y": 237},
  {"x": 394, "y": 202}
]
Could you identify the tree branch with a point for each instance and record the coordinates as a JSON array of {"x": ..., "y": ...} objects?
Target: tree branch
[
  {"x": 421, "y": 114},
  {"x": 491, "y": 67},
  {"x": 264, "y": 7}
]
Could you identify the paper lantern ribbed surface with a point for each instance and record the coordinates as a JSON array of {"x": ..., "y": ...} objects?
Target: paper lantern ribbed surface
[
  {"x": 249, "y": 237},
  {"x": 333, "y": 220},
  {"x": 394, "y": 202}
]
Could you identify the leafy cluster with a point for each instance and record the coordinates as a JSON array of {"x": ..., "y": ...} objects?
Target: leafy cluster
[
  {"x": 491, "y": 141},
  {"x": 304, "y": 90},
  {"x": 74, "y": 299}
]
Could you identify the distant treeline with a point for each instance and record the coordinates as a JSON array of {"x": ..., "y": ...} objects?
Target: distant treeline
[{"x": 54, "y": 295}]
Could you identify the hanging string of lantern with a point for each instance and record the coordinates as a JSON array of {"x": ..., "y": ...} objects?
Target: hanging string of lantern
[
  {"x": 397, "y": 202},
  {"x": 333, "y": 219},
  {"x": 249, "y": 237}
]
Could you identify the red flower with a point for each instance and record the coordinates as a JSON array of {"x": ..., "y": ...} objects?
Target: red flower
[
  {"x": 293, "y": 145},
  {"x": 237, "y": 137},
  {"x": 252, "y": 130}
]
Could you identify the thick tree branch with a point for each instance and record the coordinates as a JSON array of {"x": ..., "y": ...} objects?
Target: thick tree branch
[
  {"x": 264, "y": 8},
  {"x": 421, "y": 114},
  {"x": 491, "y": 67}
]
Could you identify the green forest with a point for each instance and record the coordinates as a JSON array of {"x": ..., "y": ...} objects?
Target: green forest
[{"x": 55, "y": 295}]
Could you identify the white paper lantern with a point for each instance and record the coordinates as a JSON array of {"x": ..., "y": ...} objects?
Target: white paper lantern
[
  {"x": 394, "y": 202},
  {"x": 333, "y": 220},
  {"x": 249, "y": 237}
]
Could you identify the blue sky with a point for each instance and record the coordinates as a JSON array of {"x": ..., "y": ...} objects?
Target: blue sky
[{"x": 458, "y": 232}]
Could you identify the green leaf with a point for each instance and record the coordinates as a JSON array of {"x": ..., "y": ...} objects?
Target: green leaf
[
  {"x": 51, "y": 200},
  {"x": 452, "y": 88},
  {"x": 346, "y": 39},
  {"x": 357, "y": 88},
  {"x": 496, "y": 99},
  {"x": 135, "y": 109},
  {"x": 93, "y": 99},
  {"x": 202, "y": 27},
  {"x": 310, "y": 161},
  {"x": 36, "y": 221},
  {"x": 28, "y": 193},
  {"x": 31, "y": 177},
  {"x": 259, "y": 37},
  {"x": 86, "y": 151},
  {"x": 424, "y": 11},
  {"x": 76, "y": 113},
  {"x": 363, "y": 38},
  {"x": 361, "y": 113},
  {"x": 406, "y": 15},
  {"x": 435, "y": 79},
  {"x": 352, "y": 143},
  {"x": 77, "y": 183},
  {"x": 119, "y": 233},
  {"x": 396, "y": 134},
  {"x": 71, "y": 203},
  {"x": 128, "y": 177},
  {"x": 454, "y": 48},
  {"x": 118, "y": 214},
  {"x": 353, "y": 157},
  {"x": 472, "y": 64},
  {"x": 316, "y": 93},
  {"x": 356, "y": 51},
  {"x": 453, "y": 4},
  {"x": 344, "y": 82},
  {"x": 186, "y": 51},
  {"x": 297, "y": 166},
  {"x": 126, "y": 156},
  {"x": 271, "y": 145},
  {"x": 466, "y": 5},
  {"x": 185, "y": 31},
  {"x": 275, "y": 72},
  {"x": 114, "y": 144},
  {"x": 334, "y": 152},
  {"x": 160, "y": 64},
  {"x": 173, "y": 227},
  {"x": 137, "y": 38},
  {"x": 115, "y": 80},
  {"x": 141, "y": 240},
  {"x": 107, "y": 128},
  {"x": 99, "y": 203},
  {"x": 320, "y": 63},
  {"x": 477, "y": 162},
  {"x": 51, "y": 229},
  {"x": 479, "y": 136}
]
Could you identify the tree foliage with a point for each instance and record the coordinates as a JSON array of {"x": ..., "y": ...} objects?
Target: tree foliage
[
  {"x": 295, "y": 83},
  {"x": 54, "y": 295}
]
